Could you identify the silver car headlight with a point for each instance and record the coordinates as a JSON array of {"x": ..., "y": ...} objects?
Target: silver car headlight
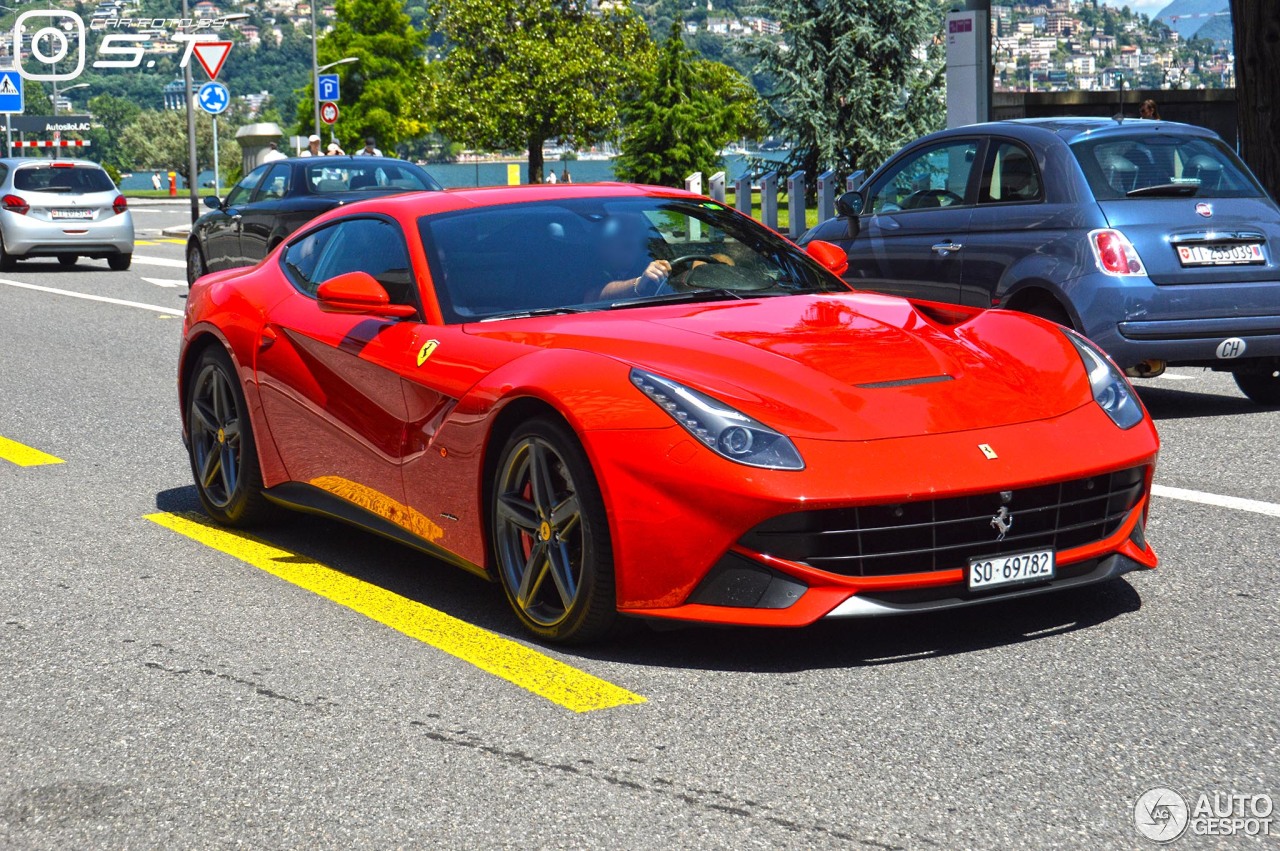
[
  {"x": 722, "y": 429},
  {"x": 1111, "y": 390}
]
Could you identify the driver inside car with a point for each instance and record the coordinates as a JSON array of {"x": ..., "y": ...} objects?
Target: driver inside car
[{"x": 624, "y": 247}]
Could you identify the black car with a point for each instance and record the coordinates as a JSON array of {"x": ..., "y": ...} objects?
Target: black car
[{"x": 277, "y": 198}]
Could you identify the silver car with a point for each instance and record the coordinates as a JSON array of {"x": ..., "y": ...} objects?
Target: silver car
[{"x": 62, "y": 208}]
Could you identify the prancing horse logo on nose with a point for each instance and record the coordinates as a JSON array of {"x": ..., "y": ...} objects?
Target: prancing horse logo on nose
[{"x": 1002, "y": 522}]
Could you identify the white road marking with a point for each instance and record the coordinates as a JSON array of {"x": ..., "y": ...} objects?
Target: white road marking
[
  {"x": 1255, "y": 506},
  {"x": 159, "y": 261},
  {"x": 1172, "y": 377},
  {"x": 153, "y": 307},
  {"x": 166, "y": 282}
]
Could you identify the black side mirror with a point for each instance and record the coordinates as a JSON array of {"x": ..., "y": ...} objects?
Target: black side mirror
[
  {"x": 850, "y": 205},
  {"x": 213, "y": 202}
]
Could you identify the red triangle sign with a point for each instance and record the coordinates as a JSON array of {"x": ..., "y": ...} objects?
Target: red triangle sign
[{"x": 211, "y": 55}]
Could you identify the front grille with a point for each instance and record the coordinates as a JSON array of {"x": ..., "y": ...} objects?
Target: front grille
[{"x": 943, "y": 534}]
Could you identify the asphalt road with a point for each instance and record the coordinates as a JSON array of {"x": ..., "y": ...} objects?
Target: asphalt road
[{"x": 160, "y": 692}]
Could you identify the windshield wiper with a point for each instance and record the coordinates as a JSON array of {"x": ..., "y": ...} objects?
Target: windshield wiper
[
  {"x": 686, "y": 297},
  {"x": 541, "y": 311},
  {"x": 1165, "y": 190}
]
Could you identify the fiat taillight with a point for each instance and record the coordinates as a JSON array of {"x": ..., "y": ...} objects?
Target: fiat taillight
[{"x": 1115, "y": 253}]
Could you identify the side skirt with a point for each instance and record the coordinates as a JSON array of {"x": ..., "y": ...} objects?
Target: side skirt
[{"x": 309, "y": 499}]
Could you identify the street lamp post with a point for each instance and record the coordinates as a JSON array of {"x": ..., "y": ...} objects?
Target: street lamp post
[
  {"x": 56, "y": 152},
  {"x": 192, "y": 180}
]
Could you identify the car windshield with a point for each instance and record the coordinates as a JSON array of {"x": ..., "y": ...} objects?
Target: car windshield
[
  {"x": 326, "y": 179},
  {"x": 64, "y": 179},
  {"x": 1163, "y": 164},
  {"x": 594, "y": 253}
]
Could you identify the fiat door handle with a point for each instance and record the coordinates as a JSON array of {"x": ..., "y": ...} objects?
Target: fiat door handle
[{"x": 945, "y": 248}]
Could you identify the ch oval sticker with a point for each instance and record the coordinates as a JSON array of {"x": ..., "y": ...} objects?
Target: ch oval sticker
[{"x": 1232, "y": 347}]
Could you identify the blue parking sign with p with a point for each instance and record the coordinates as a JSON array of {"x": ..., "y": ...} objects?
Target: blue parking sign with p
[
  {"x": 10, "y": 91},
  {"x": 327, "y": 87}
]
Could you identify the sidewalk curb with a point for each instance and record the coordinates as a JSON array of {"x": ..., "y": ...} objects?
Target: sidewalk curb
[{"x": 176, "y": 230}]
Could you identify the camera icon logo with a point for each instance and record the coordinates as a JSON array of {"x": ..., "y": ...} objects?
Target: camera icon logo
[{"x": 56, "y": 38}]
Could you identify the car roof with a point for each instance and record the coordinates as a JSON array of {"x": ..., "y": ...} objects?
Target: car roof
[
  {"x": 422, "y": 203},
  {"x": 350, "y": 159},
  {"x": 1071, "y": 128},
  {"x": 17, "y": 162}
]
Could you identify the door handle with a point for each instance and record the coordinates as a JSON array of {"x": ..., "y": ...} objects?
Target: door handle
[{"x": 945, "y": 248}]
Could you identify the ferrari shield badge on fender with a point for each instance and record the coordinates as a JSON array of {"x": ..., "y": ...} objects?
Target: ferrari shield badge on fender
[
  {"x": 428, "y": 348},
  {"x": 988, "y": 451}
]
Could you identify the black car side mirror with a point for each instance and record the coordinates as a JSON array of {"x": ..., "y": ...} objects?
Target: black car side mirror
[
  {"x": 213, "y": 202},
  {"x": 850, "y": 205}
]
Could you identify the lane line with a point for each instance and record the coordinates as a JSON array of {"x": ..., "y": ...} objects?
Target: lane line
[
  {"x": 166, "y": 282},
  {"x": 1254, "y": 506},
  {"x": 527, "y": 668},
  {"x": 123, "y": 303},
  {"x": 159, "y": 261},
  {"x": 23, "y": 455}
]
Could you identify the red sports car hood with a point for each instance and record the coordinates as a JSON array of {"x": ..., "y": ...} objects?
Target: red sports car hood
[{"x": 857, "y": 366}]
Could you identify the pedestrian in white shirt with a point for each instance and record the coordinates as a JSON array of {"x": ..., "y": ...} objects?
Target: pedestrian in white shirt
[
  {"x": 313, "y": 146},
  {"x": 370, "y": 149}
]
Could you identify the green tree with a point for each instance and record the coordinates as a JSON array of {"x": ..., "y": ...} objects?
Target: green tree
[
  {"x": 111, "y": 117},
  {"x": 521, "y": 72},
  {"x": 157, "y": 139},
  {"x": 853, "y": 79},
  {"x": 687, "y": 111},
  {"x": 382, "y": 37}
]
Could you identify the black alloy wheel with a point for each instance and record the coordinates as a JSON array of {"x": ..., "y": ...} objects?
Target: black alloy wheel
[{"x": 551, "y": 536}]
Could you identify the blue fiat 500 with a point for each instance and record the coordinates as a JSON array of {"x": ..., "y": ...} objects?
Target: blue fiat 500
[{"x": 1150, "y": 237}]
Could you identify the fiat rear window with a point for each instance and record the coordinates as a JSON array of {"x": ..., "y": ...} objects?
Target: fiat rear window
[{"x": 1163, "y": 164}]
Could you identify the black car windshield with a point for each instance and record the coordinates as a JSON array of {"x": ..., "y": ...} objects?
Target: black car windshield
[
  {"x": 71, "y": 180},
  {"x": 1162, "y": 164},
  {"x": 353, "y": 176},
  {"x": 595, "y": 253}
]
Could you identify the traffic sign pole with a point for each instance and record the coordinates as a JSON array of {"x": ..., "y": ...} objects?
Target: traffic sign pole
[{"x": 217, "y": 186}]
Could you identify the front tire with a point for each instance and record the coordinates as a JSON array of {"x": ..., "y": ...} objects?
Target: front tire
[
  {"x": 1260, "y": 383},
  {"x": 224, "y": 457},
  {"x": 195, "y": 263},
  {"x": 551, "y": 536},
  {"x": 120, "y": 262}
]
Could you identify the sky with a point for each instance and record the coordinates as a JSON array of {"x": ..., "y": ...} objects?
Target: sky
[{"x": 1149, "y": 7}]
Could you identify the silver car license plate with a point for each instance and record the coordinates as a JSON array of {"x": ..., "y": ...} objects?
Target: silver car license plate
[{"x": 65, "y": 215}]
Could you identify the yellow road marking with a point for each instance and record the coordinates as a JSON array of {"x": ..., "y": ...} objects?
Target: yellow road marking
[
  {"x": 25, "y": 456},
  {"x": 546, "y": 677}
]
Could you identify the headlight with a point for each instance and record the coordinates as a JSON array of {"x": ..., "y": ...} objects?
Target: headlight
[
  {"x": 1111, "y": 390},
  {"x": 727, "y": 432}
]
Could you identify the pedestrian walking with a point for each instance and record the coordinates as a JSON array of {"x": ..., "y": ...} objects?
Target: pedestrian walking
[
  {"x": 1149, "y": 110},
  {"x": 313, "y": 146},
  {"x": 273, "y": 154},
  {"x": 565, "y": 177},
  {"x": 155, "y": 180},
  {"x": 370, "y": 148},
  {"x": 334, "y": 150}
]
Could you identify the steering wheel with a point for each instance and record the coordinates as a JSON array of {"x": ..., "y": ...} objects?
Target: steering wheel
[
  {"x": 913, "y": 200},
  {"x": 690, "y": 259}
]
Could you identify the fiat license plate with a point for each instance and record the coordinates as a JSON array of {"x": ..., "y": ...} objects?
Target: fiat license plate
[
  {"x": 1232, "y": 254},
  {"x": 1012, "y": 569}
]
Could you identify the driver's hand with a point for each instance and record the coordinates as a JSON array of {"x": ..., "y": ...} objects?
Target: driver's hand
[{"x": 655, "y": 273}]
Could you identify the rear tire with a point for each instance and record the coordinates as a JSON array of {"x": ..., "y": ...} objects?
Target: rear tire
[
  {"x": 1050, "y": 310},
  {"x": 8, "y": 262},
  {"x": 120, "y": 262},
  {"x": 195, "y": 263},
  {"x": 224, "y": 456},
  {"x": 66, "y": 261},
  {"x": 1261, "y": 383},
  {"x": 550, "y": 536}
]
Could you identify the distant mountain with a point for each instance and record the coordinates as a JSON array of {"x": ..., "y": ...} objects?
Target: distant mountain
[{"x": 1209, "y": 19}]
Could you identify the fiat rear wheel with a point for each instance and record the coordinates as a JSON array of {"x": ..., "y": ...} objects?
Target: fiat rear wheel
[
  {"x": 224, "y": 458},
  {"x": 551, "y": 537},
  {"x": 1260, "y": 383}
]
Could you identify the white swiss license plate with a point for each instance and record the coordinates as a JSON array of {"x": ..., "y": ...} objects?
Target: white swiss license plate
[
  {"x": 1235, "y": 254},
  {"x": 1011, "y": 569},
  {"x": 73, "y": 214}
]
